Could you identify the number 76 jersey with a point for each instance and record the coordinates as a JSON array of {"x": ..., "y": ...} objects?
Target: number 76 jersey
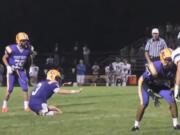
[{"x": 43, "y": 91}]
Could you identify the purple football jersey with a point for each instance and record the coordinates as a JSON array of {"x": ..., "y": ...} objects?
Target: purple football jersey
[
  {"x": 17, "y": 56},
  {"x": 43, "y": 91}
]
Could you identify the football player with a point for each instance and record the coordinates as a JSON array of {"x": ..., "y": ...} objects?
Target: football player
[
  {"x": 109, "y": 75},
  {"x": 126, "y": 71},
  {"x": 149, "y": 84},
  {"x": 44, "y": 90},
  {"x": 117, "y": 68},
  {"x": 176, "y": 60},
  {"x": 15, "y": 58}
]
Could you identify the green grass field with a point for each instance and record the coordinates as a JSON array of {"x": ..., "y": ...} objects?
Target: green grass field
[{"x": 96, "y": 111}]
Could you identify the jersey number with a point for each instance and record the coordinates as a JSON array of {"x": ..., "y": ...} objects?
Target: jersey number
[{"x": 37, "y": 88}]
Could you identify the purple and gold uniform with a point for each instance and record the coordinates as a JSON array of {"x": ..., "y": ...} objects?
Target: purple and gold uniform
[
  {"x": 160, "y": 84},
  {"x": 17, "y": 59},
  {"x": 40, "y": 95}
]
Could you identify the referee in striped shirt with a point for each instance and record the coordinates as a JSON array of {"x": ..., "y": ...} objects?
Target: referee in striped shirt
[{"x": 154, "y": 46}]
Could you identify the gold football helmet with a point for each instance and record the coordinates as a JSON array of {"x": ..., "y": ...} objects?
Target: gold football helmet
[
  {"x": 53, "y": 74},
  {"x": 21, "y": 36},
  {"x": 165, "y": 56}
]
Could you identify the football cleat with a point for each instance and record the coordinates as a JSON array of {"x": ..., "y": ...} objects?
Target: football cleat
[
  {"x": 5, "y": 109},
  {"x": 135, "y": 128},
  {"x": 177, "y": 127}
]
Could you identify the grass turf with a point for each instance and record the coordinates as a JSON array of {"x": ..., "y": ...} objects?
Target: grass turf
[{"x": 96, "y": 111}]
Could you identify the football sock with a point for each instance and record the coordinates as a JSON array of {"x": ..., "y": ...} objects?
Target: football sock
[
  {"x": 137, "y": 123},
  {"x": 4, "y": 104},
  {"x": 175, "y": 122},
  {"x": 25, "y": 104},
  {"x": 50, "y": 113}
]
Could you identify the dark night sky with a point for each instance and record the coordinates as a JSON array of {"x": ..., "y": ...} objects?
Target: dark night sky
[{"x": 100, "y": 23}]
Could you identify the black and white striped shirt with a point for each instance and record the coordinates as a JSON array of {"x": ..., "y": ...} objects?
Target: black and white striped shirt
[{"x": 153, "y": 47}]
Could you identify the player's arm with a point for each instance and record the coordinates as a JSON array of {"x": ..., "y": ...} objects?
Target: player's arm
[
  {"x": 32, "y": 55},
  {"x": 147, "y": 57},
  {"x": 65, "y": 92},
  {"x": 5, "y": 57},
  {"x": 177, "y": 84}
]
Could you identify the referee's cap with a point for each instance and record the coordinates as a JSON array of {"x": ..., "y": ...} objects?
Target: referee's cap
[{"x": 155, "y": 31}]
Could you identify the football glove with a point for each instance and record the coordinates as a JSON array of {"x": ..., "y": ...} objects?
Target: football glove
[{"x": 9, "y": 69}]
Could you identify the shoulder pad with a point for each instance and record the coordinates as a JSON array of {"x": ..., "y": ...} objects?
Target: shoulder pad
[{"x": 8, "y": 49}]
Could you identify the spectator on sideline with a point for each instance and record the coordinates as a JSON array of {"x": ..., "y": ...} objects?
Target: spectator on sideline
[
  {"x": 95, "y": 69},
  {"x": 80, "y": 72}
]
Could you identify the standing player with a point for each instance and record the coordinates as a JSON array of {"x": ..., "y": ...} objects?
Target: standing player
[
  {"x": 117, "y": 67},
  {"x": 176, "y": 60},
  {"x": 126, "y": 71},
  {"x": 109, "y": 75},
  {"x": 44, "y": 90},
  {"x": 15, "y": 58},
  {"x": 148, "y": 85}
]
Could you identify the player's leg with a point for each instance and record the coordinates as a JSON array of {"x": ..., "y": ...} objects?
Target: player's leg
[
  {"x": 107, "y": 80},
  {"x": 23, "y": 82},
  {"x": 78, "y": 79},
  {"x": 82, "y": 79},
  {"x": 116, "y": 78},
  {"x": 35, "y": 106},
  {"x": 10, "y": 86},
  {"x": 141, "y": 109},
  {"x": 167, "y": 95},
  {"x": 123, "y": 77},
  {"x": 49, "y": 110},
  {"x": 118, "y": 81},
  {"x": 113, "y": 79},
  {"x": 55, "y": 109}
]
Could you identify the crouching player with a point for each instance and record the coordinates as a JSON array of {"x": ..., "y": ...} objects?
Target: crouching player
[
  {"x": 43, "y": 91},
  {"x": 159, "y": 84}
]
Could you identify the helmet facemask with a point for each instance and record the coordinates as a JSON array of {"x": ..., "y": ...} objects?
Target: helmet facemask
[
  {"x": 58, "y": 79},
  {"x": 22, "y": 40},
  {"x": 24, "y": 43},
  {"x": 168, "y": 62}
]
